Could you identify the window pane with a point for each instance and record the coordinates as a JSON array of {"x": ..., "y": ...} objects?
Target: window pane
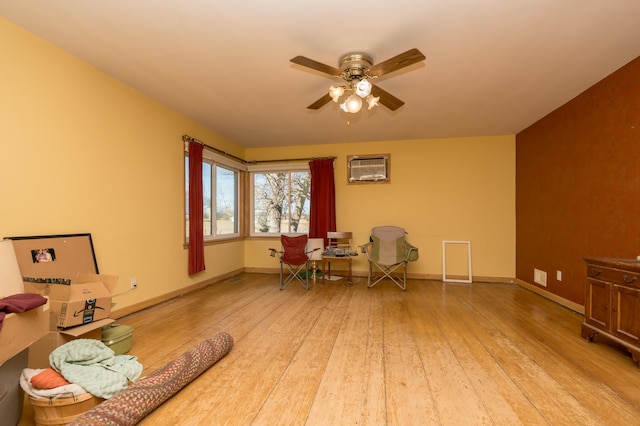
[
  {"x": 300, "y": 210},
  {"x": 281, "y": 202},
  {"x": 219, "y": 198},
  {"x": 226, "y": 201},
  {"x": 207, "y": 200},
  {"x": 269, "y": 197}
]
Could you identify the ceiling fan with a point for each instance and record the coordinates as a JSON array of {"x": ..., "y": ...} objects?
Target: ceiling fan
[{"x": 357, "y": 70}]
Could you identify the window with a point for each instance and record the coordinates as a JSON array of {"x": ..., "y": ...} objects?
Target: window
[
  {"x": 280, "y": 200},
  {"x": 220, "y": 185}
]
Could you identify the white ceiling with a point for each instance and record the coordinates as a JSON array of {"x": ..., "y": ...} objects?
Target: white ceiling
[{"x": 493, "y": 66}]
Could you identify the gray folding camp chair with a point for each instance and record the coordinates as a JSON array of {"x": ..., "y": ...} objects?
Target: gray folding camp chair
[{"x": 387, "y": 252}]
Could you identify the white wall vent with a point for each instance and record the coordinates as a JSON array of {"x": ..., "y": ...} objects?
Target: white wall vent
[
  {"x": 539, "y": 277},
  {"x": 374, "y": 168}
]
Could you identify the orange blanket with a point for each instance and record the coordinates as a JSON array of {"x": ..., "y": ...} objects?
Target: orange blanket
[{"x": 48, "y": 379}]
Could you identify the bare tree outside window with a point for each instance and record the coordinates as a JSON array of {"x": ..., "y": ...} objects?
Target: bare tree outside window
[{"x": 281, "y": 202}]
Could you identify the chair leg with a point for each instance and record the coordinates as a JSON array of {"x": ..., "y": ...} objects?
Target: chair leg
[
  {"x": 294, "y": 273},
  {"x": 387, "y": 271},
  {"x": 306, "y": 276}
]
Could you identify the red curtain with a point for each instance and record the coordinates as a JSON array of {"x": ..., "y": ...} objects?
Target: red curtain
[
  {"x": 323, "y": 199},
  {"x": 196, "y": 210}
]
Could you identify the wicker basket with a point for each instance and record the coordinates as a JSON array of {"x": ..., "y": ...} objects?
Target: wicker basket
[{"x": 61, "y": 411}]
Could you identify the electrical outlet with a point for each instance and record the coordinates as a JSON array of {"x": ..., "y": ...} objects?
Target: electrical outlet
[
  {"x": 134, "y": 283},
  {"x": 559, "y": 275}
]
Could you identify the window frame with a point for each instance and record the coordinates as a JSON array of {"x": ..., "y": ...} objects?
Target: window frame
[
  {"x": 253, "y": 169},
  {"x": 216, "y": 160}
]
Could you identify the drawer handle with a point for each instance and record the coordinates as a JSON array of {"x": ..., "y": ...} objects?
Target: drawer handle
[
  {"x": 629, "y": 281},
  {"x": 595, "y": 273}
]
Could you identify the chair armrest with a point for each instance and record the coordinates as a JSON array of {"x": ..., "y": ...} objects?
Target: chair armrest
[
  {"x": 273, "y": 252},
  {"x": 311, "y": 251},
  {"x": 364, "y": 248},
  {"x": 412, "y": 252}
]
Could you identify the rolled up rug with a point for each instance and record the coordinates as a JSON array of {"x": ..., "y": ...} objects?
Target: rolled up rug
[{"x": 132, "y": 404}]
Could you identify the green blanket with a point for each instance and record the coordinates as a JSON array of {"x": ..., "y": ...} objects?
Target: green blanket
[{"x": 94, "y": 366}]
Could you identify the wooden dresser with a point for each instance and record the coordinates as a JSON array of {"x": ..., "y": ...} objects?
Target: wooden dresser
[{"x": 612, "y": 302}]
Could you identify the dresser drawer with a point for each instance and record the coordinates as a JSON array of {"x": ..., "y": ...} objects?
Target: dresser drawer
[{"x": 615, "y": 276}]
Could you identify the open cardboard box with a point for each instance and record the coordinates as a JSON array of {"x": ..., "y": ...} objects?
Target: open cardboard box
[
  {"x": 64, "y": 268},
  {"x": 86, "y": 299},
  {"x": 19, "y": 330}
]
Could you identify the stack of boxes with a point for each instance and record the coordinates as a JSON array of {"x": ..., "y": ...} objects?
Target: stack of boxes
[
  {"x": 63, "y": 268},
  {"x": 79, "y": 306},
  {"x": 19, "y": 331}
]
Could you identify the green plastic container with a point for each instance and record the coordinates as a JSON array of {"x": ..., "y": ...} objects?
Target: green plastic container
[{"x": 118, "y": 337}]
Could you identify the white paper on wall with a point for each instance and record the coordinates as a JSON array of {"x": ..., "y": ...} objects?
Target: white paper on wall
[{"x": 10, "y": 277}]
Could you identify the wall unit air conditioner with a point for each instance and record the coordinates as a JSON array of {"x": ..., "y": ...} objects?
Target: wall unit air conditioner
[{"x": 368, "y": 168}]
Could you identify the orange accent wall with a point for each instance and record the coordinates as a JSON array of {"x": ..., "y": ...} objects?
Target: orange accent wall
[{"x": 578, "y": 184}]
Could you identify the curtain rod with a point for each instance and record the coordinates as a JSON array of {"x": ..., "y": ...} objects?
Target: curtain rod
[{"x": 187, "y": 138}]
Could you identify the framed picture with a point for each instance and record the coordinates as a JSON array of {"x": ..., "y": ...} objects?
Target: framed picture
[{"x": 54, "y": 258}]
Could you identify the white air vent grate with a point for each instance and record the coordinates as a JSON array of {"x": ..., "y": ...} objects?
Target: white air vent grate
[
  {"x": 539, "y": 277},
  {"x": 370, "y": 169}
]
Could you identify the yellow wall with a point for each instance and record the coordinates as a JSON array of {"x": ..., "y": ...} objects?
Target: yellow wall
[
  {"x": 82, "y": 152},
  {"x": 440, "y": 189}
]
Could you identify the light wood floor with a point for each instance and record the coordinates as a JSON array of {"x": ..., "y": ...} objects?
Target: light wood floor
[{"x": 338, "y": 354}]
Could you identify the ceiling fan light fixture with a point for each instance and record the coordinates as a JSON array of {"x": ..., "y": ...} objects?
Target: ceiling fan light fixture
[
  {"x": 336, "y": 92},
  {"x": 372, "y": 100},
  {"x": 352, "y": 104},
  {"x": 357, "y": 70},
  {"x": 363, "y": 88}
]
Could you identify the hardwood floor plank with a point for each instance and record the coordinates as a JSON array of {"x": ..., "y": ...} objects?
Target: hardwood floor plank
[
  {"x": 485, "y": 394},
  {"x": 339, "y": 354},
  {"x": 410, "y": 398},
  {"x": 352, "y": 387},
  {"x": 291, "y": 398},
  {"x": 265, "y": 351},
  {"x": 175, "y": 324},
  {"x": 557, "y": 357}
]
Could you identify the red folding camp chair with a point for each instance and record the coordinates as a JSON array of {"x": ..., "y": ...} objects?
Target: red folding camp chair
[{"x": 295, "y": 257}]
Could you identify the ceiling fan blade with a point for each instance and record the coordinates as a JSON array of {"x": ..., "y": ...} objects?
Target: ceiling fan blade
[
  {"x": 386, "y": 98},
  {"x": 321, "y": 102},
  {"x": 405, "y": 59},
  {"x": 315, "y": 65}
]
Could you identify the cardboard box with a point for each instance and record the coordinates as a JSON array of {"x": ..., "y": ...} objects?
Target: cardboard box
[
  {"x": 19, "y": 330},
  {"x": 11, "y": 394},
  {"x": 86, "y": 299},
  {"x": 40, "y": 350}
]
